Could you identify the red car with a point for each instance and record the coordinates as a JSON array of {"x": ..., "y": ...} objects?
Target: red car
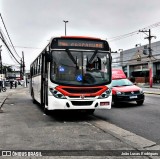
[{"x": 123, "y": 90}]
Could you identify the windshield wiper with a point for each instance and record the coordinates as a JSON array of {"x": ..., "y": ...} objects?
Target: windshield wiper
[
  {"x": 116, "y": 86},
  {"x": 71, "y": 57},
  {"x": 126, "y": 85},
  {"x": 93, "y": 56}
]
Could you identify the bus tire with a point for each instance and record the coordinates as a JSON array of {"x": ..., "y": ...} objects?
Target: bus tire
[
  {"x": 46, "y": 111},
  {"x": 115, "y": 103},
  {"x": 33, "y": 100}
]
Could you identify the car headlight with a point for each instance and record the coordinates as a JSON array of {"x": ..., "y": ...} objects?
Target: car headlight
[
  {"x": 57, "y": 94},
  {"x": 119, "y": 93},
  {"x": 141, "y": 91},
  {"x": 105, "y": 94}
]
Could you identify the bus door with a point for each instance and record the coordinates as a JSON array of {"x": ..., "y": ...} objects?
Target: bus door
[{"x": 44, "y": 83}]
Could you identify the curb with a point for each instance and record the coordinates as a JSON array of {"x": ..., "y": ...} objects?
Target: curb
[
  {"x": 1, "y": 104},
  {"x": 156, "y": 93},
  {"x": 135, "y": 141}
]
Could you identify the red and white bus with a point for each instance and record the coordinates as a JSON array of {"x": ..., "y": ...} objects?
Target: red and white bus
[{"x": 72, "y": 72}]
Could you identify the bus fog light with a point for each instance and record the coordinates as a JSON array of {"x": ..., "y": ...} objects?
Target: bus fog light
[
  {"x": 67, "y": 104},
  {"x": 96, "y": 105}
]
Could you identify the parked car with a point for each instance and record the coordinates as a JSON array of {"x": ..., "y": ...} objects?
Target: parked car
[{"x": 123, "y": 90}]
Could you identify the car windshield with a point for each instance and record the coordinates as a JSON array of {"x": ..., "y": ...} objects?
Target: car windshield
[
  {"x": 80, "y": 67},
  {"x": 121, "y": 82}
]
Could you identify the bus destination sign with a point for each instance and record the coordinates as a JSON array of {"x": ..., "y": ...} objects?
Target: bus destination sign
[{"x": 80, "y": 43}]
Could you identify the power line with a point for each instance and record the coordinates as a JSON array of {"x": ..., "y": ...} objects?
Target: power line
[
  {"x": 27, "y": 47},
  {"x": 133, "y": 33},
  {"x": 4, "y": 37},
  {"x": 3, "y": 40},
  {"x": 9, "y": 36}
]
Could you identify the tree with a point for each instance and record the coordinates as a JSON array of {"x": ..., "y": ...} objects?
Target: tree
[{"x": 7, "y": 68}]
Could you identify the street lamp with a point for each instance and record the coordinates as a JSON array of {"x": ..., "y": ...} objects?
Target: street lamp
[
  {"x": 137, "y": 45},
  {"x": 65, "y": 21}
]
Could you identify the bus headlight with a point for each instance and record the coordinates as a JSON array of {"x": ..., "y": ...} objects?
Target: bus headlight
[
  {"x": 57, "y": 94},
  {"x": 105, "y": 94}
]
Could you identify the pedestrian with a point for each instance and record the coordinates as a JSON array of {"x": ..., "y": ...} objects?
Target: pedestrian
[
  {"x": 11, "y": 84},
  {"x": 1, "y": 84},
  {"x": 15, "y": 83}
]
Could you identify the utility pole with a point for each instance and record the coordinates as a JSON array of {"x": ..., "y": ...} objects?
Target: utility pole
[
  {"x": 149, "y": 37},
  {"x": 23, "y": 70},
  {"x": 23, "y": 66},
  {"x": 1, "y": 62},
  {"x": 121, "y": 57},
  {"x": 1, "y": 111}
]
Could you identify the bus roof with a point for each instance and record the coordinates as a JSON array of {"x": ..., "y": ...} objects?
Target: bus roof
[{"x": 81, "y": 37}]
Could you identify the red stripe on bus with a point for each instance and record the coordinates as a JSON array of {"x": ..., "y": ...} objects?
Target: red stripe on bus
[
  {"x": 81, "y": 37},
  {"x": 66, "y": 93}
]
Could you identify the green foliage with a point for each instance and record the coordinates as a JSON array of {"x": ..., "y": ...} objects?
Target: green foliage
[{"x": 7, "y": 68}]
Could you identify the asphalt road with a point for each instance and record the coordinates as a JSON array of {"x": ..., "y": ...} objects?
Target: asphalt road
[
  {"x": 141, "y": 120},
  {"x": 24, "y": 126}
]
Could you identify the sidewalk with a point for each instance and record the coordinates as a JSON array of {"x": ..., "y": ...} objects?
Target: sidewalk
[
  {"x": 146, "y": 88},
  {"x": 4, "y": 95}
]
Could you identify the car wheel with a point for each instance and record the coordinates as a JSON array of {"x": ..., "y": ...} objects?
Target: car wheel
[
  {"x": 140, "y": 102},
  {"x": 115, "y": 103}
]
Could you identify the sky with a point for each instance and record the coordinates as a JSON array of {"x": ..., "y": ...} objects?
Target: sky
[{"x": 32, "y": 23}]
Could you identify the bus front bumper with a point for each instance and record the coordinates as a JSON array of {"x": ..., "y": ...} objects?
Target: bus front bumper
[{"x": 66, "y": 104}]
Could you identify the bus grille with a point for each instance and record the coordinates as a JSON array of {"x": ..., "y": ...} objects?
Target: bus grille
[
  {"x": 81, "y": 98},
  {"x": 81, "y": 103},
  {"x": 82, "y": 90}
]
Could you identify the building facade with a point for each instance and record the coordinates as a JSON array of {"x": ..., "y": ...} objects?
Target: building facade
[{"x": 136, "y": 63}]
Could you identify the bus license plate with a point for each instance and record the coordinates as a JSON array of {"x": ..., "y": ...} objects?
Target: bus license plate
[{"x": 133, "y": 97}]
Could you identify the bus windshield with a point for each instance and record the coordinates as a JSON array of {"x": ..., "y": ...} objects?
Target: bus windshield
[{"x": 70, "y": 67}]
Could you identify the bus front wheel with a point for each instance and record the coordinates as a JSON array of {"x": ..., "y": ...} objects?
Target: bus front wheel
[
  {"x": 33, "y": 99},
  {"x": 46, "y": 111}
]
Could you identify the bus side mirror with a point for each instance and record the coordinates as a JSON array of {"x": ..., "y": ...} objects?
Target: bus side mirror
[{"x": 48, "y": 57}]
